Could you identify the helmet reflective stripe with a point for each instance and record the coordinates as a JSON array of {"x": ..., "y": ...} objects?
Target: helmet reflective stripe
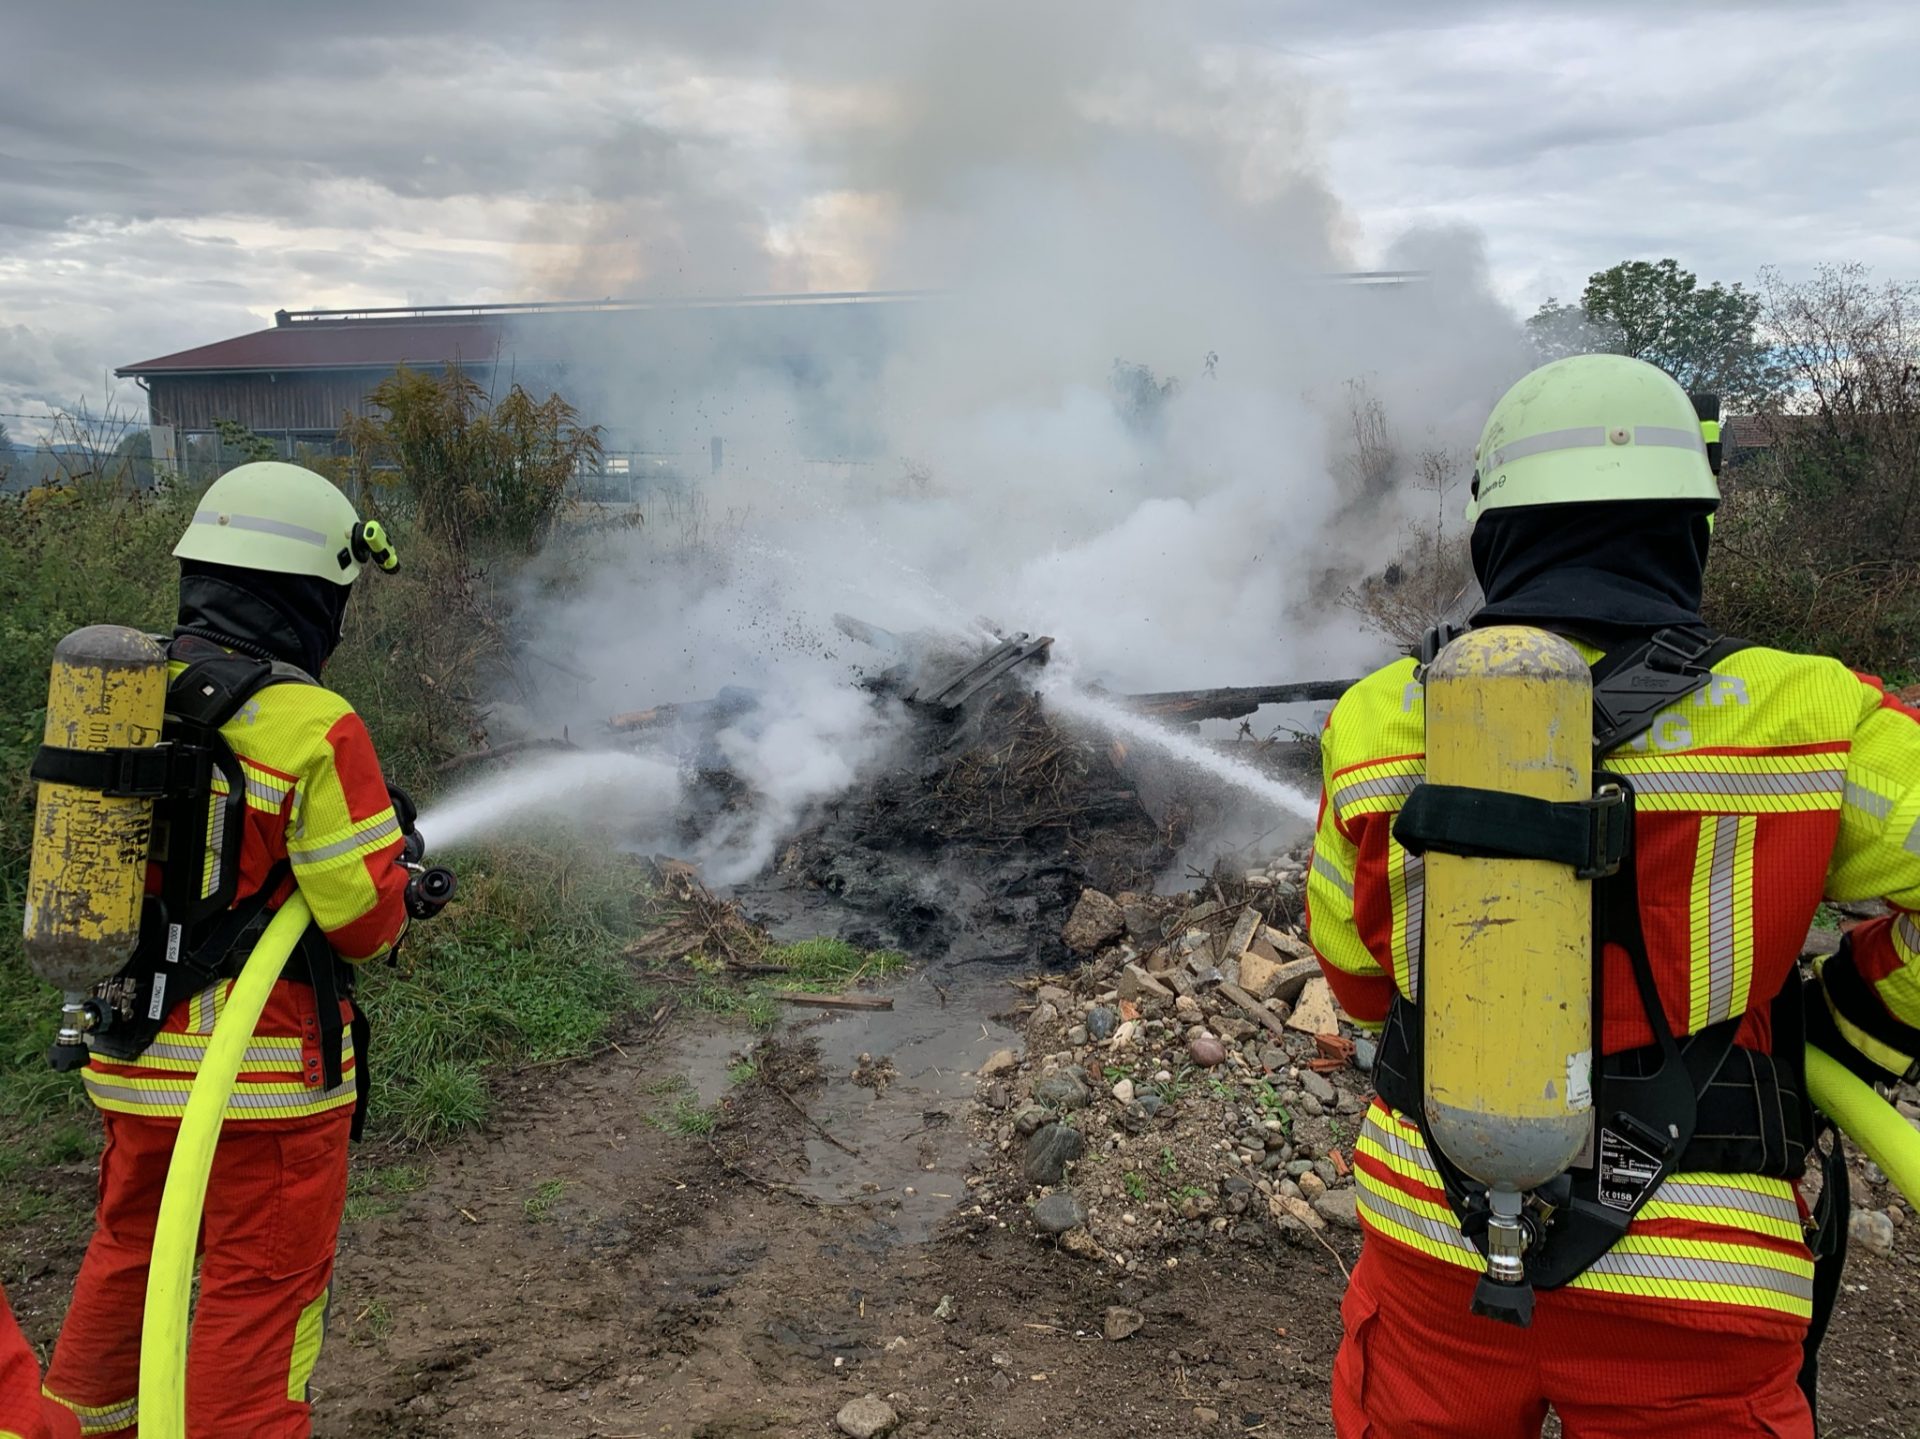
[
  {"x": 1592, "y": 427},
  {"x": 1588, "y": 437},
  {"x": 262, "y": 525},
  {"x": 276, "y": 517}
]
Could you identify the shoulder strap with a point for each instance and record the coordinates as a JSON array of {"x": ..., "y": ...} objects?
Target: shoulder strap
[{"x": 1632, "y": 686}]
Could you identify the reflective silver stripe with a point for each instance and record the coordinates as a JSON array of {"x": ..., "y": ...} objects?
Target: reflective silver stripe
[
  {"x": 263, "y": 1054},
  {"x": 259, "y": 790},
  {"x": 1414, "y": 886},
  {"x": 207, "y": 1008},
  {"x": 102, "y": 1420},
  {"x": 1721, "y": 919},
  {"x": 1913, "y": 838},
  {"x": 1324, "y": 867},
  {"x": 1704, "y": 781},
  {"x": 1372, "y": 1201},
  {"x": 244, "y": 1097},
  {"x": 1725, "y": 1196},
  {"x": 1375, "y": 788},
  {"x": 1874, "y": 806},
  {"x": 1680, "y": 1269},
  {"x": 216, "y": 847},
  {"x": 1908, "y": 933},
  {"x": 259, "y": 524},
  {"x": 1395, "y": 1145},
  {"x": 386, "y": 829},
  {"x": 1669, "y": 438},
  {"x": 1586, "y": 437}
]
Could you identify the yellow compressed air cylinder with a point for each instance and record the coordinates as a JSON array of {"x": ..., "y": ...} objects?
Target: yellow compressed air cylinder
[
  {"x": 1506, "y": 984},
  {"x": 88, "y": 870}
]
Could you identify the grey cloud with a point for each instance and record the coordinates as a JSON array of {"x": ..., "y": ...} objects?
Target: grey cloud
[{"x": 1574, "y": 133}]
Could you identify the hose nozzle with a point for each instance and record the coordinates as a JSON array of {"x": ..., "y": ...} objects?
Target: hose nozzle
[{"x": 429, "y": 891}]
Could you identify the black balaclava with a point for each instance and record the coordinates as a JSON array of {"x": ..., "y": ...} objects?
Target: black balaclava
[
  {"x": 1601, "y": 572},
  {"x": 292, "y": 618}
]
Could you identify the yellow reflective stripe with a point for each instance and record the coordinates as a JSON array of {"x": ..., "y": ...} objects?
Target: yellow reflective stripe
[
  {"x": 1330, "y": 873},
  {"x": 1886, "y": 1056},
  {"x": 333, "y": 853},
  {"x": 308, "y": 1332},
  {"x": 263, "y": 1107},
  {"x": 1721, "y": 918},
  {"x": 1399, "y": 1217},
  {"x": 100, "y": 1418},
  {"x": 1725, "y": 1204},
  {"x": 180, "y": 1046},
  {"x": 1377, "y": 788},
  {"x": 1900, "y": 990},
  {"x": 1873, "y": 804},
  {"x": 205, "y": 1009}
]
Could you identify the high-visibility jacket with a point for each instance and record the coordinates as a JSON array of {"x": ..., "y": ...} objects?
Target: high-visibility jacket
[
  {"x": 315, "y": 797},
  {"x": 1788, "y": 777}
]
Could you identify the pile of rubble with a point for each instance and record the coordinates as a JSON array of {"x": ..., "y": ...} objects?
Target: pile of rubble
[{"x": 1192, "y": 1080}]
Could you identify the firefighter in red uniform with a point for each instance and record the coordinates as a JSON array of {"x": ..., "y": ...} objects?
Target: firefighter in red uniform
[
  {"x": 1772, "y": 780},
  {"x": 24, "y": 1412},
  {"x": 266, "y": 569}
]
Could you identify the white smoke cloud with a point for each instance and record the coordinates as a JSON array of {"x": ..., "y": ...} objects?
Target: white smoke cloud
[{"x": 1087, "y": 187}]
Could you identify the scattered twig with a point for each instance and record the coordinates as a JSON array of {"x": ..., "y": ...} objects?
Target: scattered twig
[
  {"x": 1321, "y": 1241},
  {"x": 771, "y": 1186},
  {"x": 817, "y": 1127},
  {"x": 833, "y": 1001}
]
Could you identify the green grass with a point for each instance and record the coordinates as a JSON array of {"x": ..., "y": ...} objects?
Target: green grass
[
  {"x": 813, "y": 966},
  {"x": 539, "y": 1205},
  {"x": 1135, "y": 1184},
  {"x": 372, "y": 1324},
  {"x": 743, "y": 1072},
  {"x": 525, "y": 968},
  {"x": 374, "y": 1192},
  {"x": 688, "y": 1118}
]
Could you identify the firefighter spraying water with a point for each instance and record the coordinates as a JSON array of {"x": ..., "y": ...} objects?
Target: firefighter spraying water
[{"x": 214, "y": 850}]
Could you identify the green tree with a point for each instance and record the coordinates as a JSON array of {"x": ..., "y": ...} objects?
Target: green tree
[
  {"x": 1705, "y": 337},
  {"x": 479, "y": 473}
]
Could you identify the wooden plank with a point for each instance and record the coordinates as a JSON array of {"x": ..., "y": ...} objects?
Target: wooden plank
[{"x": 835, "y": 1001}]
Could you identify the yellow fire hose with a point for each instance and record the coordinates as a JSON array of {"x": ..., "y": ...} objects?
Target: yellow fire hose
[
  {"x": 1868, "y": 1120},
  {"x": 163, "y": 1343}
]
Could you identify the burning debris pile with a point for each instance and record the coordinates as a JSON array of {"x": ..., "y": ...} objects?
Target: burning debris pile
[
  {"x": 976, "y": 840},
  {"x": 1193, "y": 1080},
  {"x": 975, "y": 832}
]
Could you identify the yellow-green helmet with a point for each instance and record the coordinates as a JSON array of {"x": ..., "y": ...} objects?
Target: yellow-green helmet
[
  {"x": 1592, "y": 427},
  {"x": 286, "y": 520}
]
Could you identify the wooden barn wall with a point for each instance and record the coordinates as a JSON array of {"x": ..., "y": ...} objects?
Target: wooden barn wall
[{"x": 311, "y": 401}]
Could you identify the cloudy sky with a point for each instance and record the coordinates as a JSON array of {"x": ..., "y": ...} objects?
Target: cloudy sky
[{"x": 172, "y": 174}]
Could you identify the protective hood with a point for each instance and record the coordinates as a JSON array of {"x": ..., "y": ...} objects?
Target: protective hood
[
  {"x": 292, "y": 618},
  {"x": 1599, "y": 572}
]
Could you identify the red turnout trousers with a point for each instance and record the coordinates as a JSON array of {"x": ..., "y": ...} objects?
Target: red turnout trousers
[
  {"x": 273, "y": 1211},
  {"x": 1416, "y": 1364},
  {"x": 24, "y": 1414}
]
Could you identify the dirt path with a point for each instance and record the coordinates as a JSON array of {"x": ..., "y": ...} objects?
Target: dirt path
[
  {"x": 580, "y": 1270},
  {"x": 676, "y": 1286},
  {"x": 663, "y": 1291}
]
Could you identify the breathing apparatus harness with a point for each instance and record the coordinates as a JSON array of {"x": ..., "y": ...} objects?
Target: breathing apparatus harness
[
  {"x": 192, "y": 933},
  {"x": 1698, "y": 1102}
]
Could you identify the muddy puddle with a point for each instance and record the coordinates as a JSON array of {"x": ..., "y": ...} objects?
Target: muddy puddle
[{"x": 887, "y": 1119}]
